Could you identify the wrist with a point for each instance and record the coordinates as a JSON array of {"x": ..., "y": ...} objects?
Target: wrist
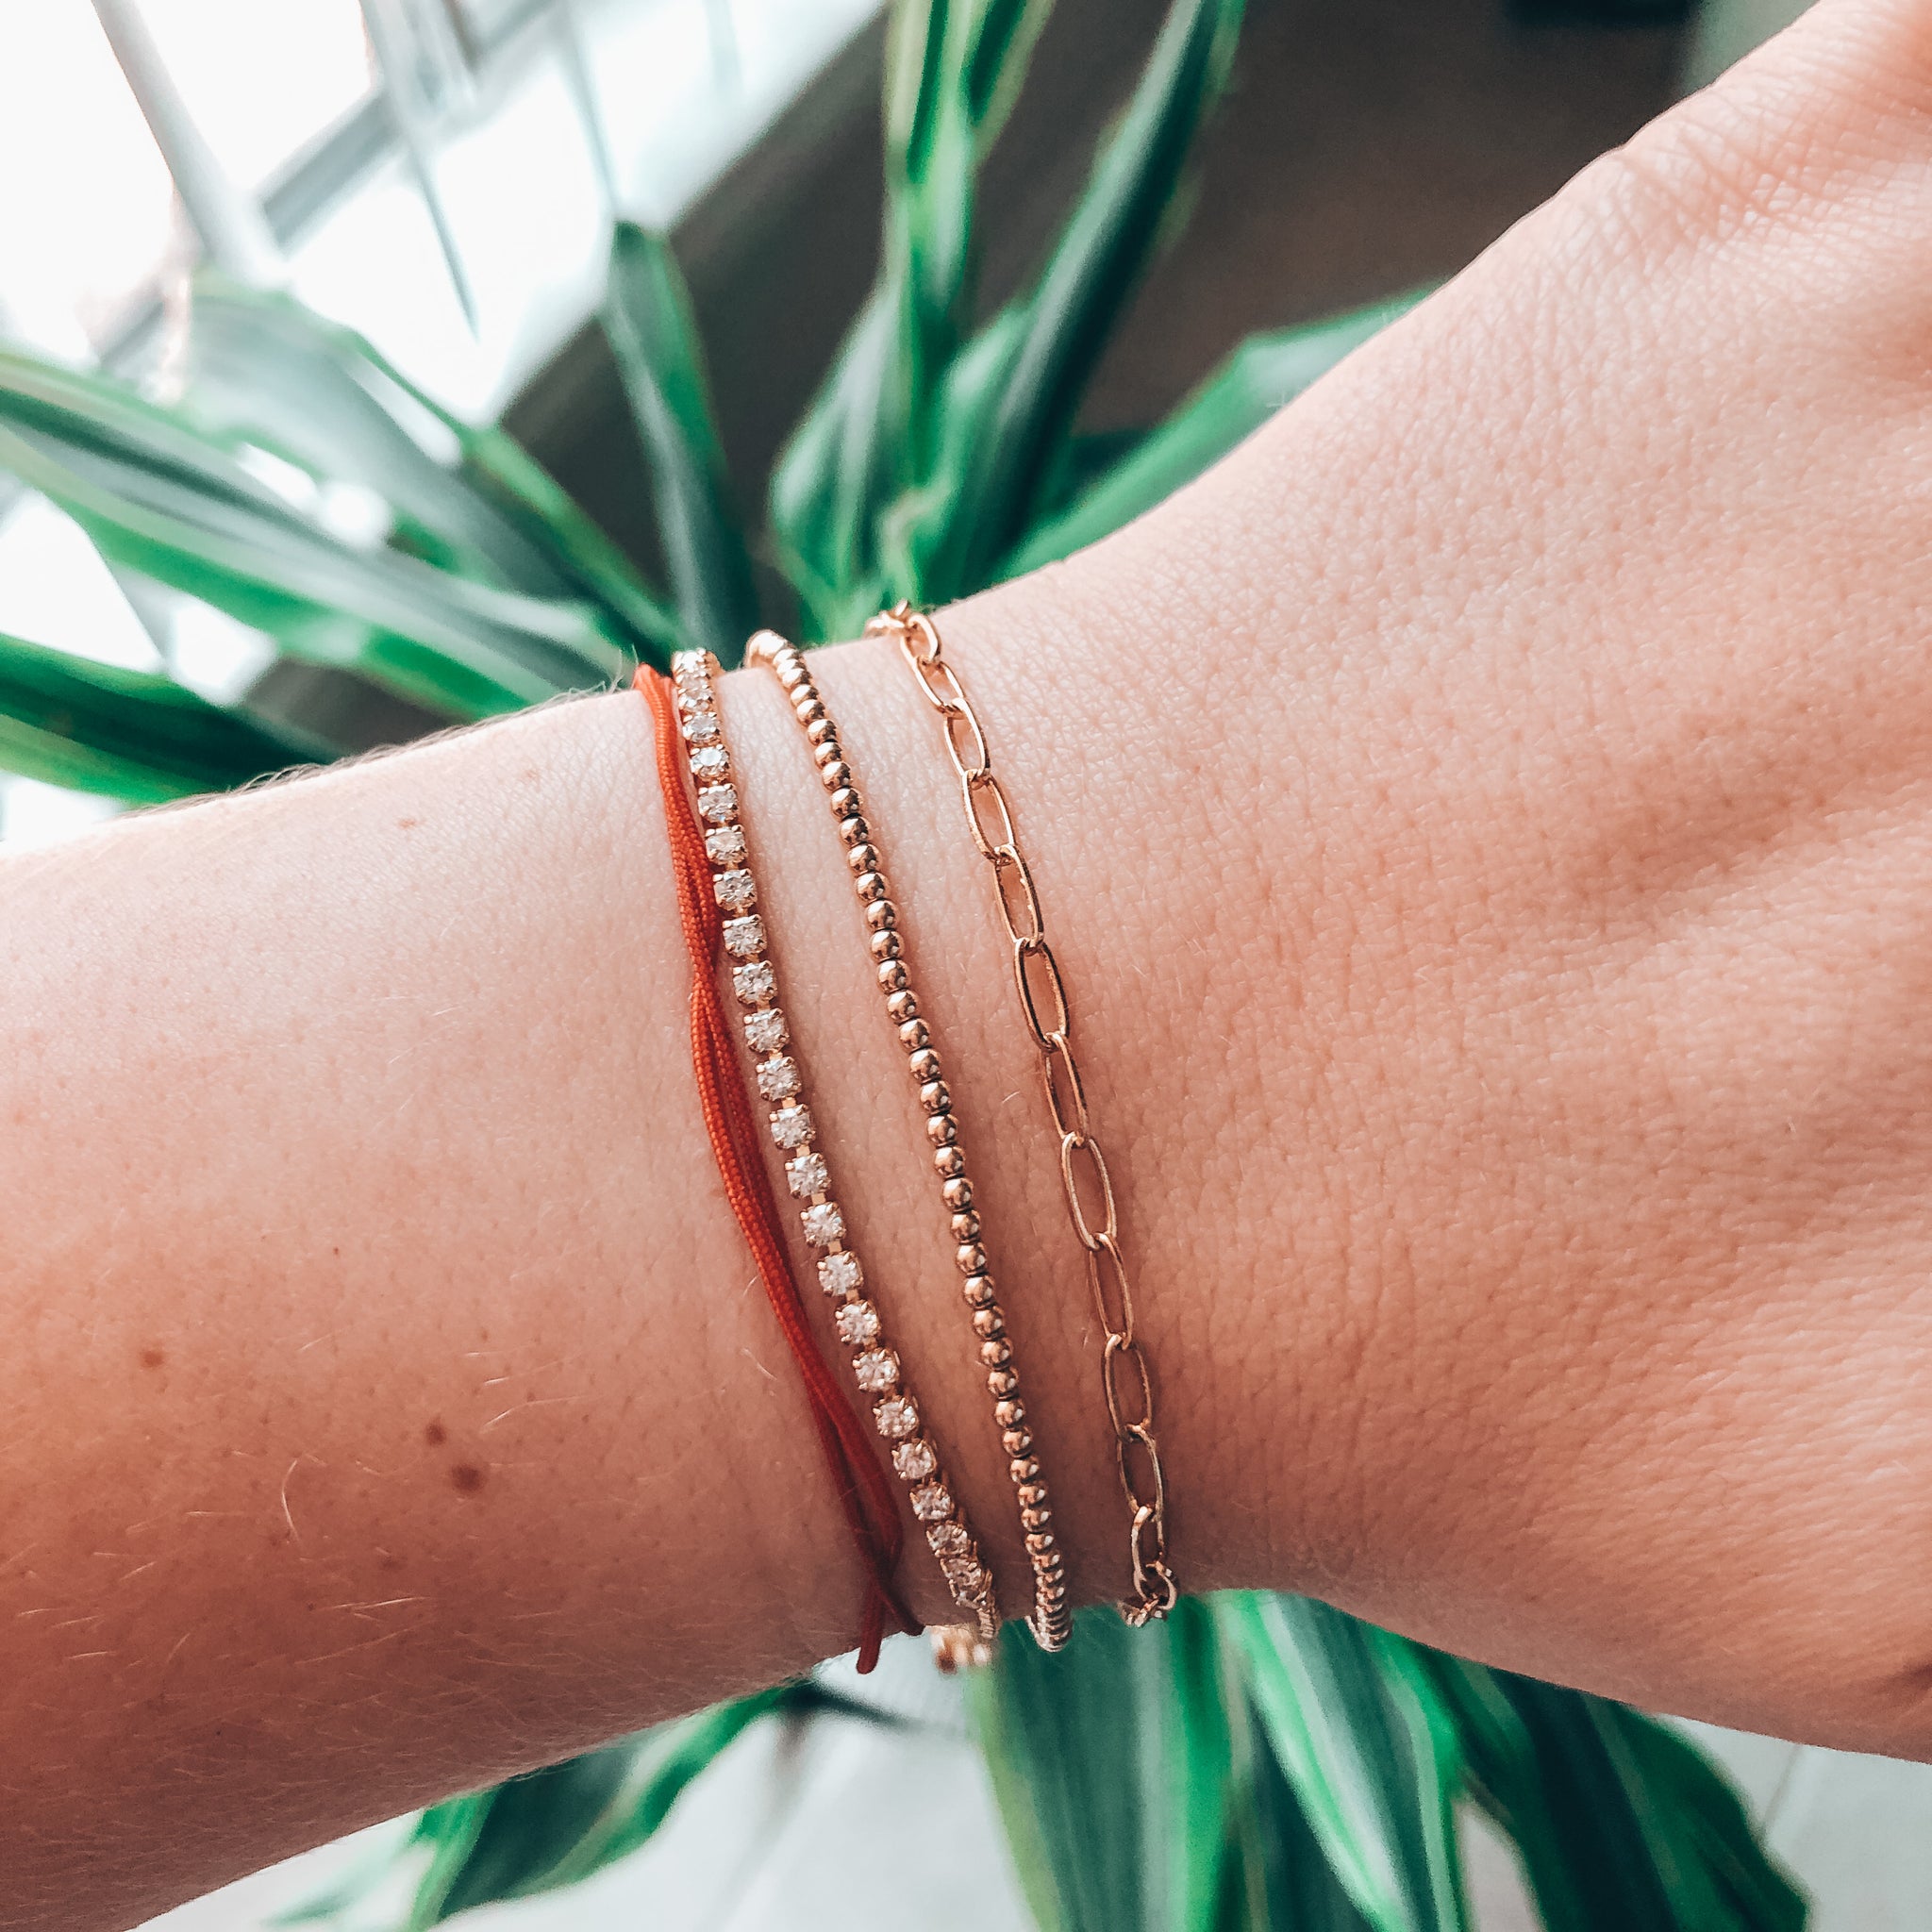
[{"x": 1089, "y": 765}]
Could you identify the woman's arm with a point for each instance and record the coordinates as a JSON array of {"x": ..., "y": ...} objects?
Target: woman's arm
[{"x": 1487, "y": 825}]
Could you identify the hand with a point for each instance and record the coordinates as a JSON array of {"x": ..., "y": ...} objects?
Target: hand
[{"x": 1500, "y": 827}]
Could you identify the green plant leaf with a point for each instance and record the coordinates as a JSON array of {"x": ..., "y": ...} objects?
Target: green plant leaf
[
  {"x": 266, "y": 370},
  {"x": 1112, "y": 1766},
  {"x": 1618, "y": 1821},
  {"x": 654, "y": 340},
  {"x": 1283, "y": 1878},
  {"x": 131, "y": 735},
  {"x": 952, "y": 69},
  {"x": 1363, "y": 1752},
  {"x": 1262, "y": 375},
  {"x": 1010, "y": 396},
  {"x": 556, "y": 1827},
  {"x": 450, "y": 1832},
  {"x": 160, "y": 498}
]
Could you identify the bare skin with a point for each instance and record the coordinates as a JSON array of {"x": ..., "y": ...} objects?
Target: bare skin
[{"x": 1488, "y": 828}]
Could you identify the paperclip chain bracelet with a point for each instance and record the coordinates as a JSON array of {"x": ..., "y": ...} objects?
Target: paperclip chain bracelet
[
  {"x": 875, "y": 1367},
  {"x": 1049, "y": 1020},
  {"x": 1051, "y": 1620}
]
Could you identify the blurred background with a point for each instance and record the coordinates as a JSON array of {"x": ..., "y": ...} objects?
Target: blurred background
[{"x": 441, "y": 174}]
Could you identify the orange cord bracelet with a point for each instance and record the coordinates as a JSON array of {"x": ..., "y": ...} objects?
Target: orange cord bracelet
[{"x": 871, "y": 1510}]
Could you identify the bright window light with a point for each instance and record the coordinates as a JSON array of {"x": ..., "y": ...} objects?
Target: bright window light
[
  {"x": 262, "y": 81},
  {"x": 86, "y": 218},
  {"x": 89, "y": 220}
]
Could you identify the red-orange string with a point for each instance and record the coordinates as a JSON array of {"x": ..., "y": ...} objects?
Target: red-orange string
[{"x": 871, "y": 1510}]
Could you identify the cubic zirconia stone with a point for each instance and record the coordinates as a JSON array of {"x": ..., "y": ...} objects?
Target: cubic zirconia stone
[
  {"x": 744, "y": 936},
  {"x": 806, "y": 1176},
  {"x": 765, "y": 1032},
  {"x": 686, "y": 665},
  {"x": 725, "y": 845},
  {"x": 964, "y": 1575},
  {"x": 709, "y": 763},
  {"x": 701, "y": 728},
  {"x": 734, "y": 890},
  {"x": 876, "y": 1371},
  {"x": 948, "y": 1539},
  {"x": 753, "y": 984},
  {"x": 823, "y": 1224},
  {"x": 897, "y": 1418},
  {"x": 779, "y": 1077},
  {"x": 931, "y": 1500},
  {"x": 693, "y": 691},
  {"x": 914, "y": 1461},
  {"x": 717, "y": 804},
  {"x": 839, "y": 1273},
  {"x": 858, "y": 1322}
]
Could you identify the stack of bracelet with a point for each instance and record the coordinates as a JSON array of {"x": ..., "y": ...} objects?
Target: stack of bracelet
[{"x": 875, "y": 1366}]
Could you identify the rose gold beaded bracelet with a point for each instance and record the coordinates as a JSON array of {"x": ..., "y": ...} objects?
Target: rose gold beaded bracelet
[
  {"x": 1049, "y": 1020},
  {"x": 1052, "y": 1620},
  {"x": 875, "y": 1367}
]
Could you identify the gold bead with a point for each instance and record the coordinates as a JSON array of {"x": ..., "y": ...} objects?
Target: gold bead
[
  {"x": 923, "y": 1065},
  {"x": 957, "y": 1192},
  {"x": 1003, "y": 1382},
  {"x": 934, "y": 1097},
  {"x": 980, "y": 1291},
  {"x": 966, "y": 1227},
  {"x": 880, "y": 914},
  {"x": 1039, "y": 1543},
  {"x": 912, "y": 1036},
  {"x": 893, "y": 976},
  {"x": 987, "y": 1321},
  {"x": 820, "y": 729},
  {"x": 1022, "y": 1469},
  {"x": 854, "y": 830},
  {"x": 971, "y": 1258},
  {"x": 887, "y": 945},
  {"x": 826, "y": 752},
  {"x": 995, "y": 1353},
  {"x": 863, "y": 859},
  {"x": 949, "y": 1161},
  {"x": 904, "y": 1005},
  {"x": 871, "y": 885},
  {"x": 1017, "y": 1443},
  {"x": 942, "y": 1130},
  {"x": 843, "y": 800},
  {"x": 1035, "y": 1519},
  {"x": 1010, "y": 1414}
]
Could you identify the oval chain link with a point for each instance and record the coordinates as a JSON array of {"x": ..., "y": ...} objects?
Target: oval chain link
[{"x": 1037, "y": 973}]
